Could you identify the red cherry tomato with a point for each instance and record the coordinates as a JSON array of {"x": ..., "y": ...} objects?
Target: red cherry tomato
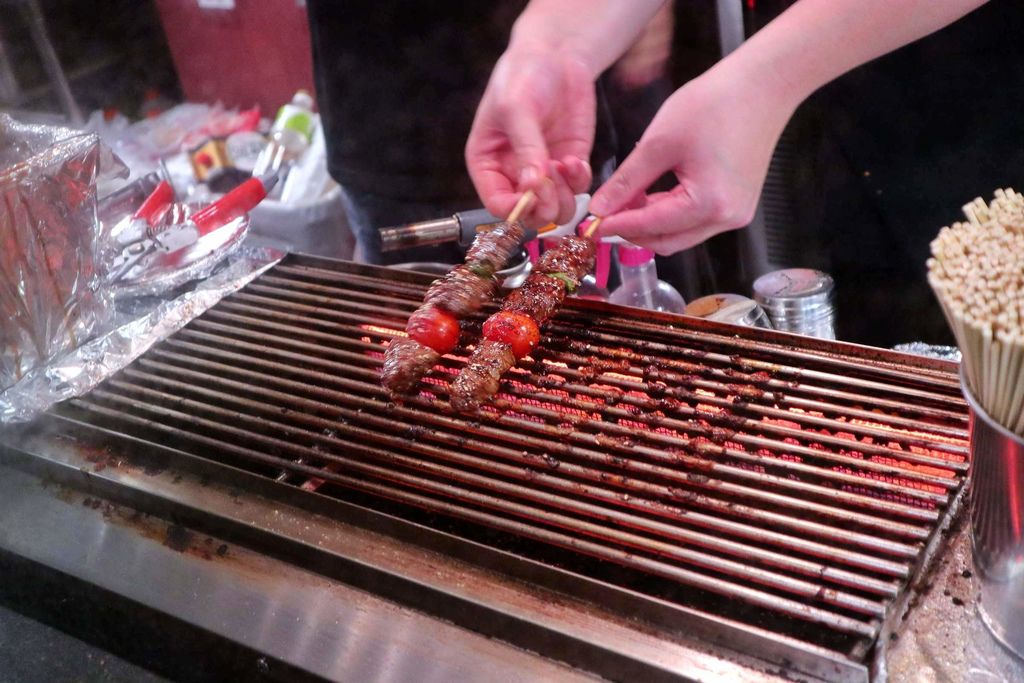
[
  {"x": 434, "y": 327},
  {"x": 515, "y": 329}
]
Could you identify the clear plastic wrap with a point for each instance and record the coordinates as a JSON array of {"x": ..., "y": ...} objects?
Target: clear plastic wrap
[
  {"x": 138, "y": 324},
  {"x": 51, "y": 275}
]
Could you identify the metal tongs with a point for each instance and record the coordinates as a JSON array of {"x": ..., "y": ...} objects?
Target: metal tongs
[{"x": 146, "y": 237}]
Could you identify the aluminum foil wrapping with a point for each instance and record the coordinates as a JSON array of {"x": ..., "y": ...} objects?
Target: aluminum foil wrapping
[
  {"x": 51, "y": 276},
  {"x": 930, "y": 351},
  {"x": 137, "y": 325}
]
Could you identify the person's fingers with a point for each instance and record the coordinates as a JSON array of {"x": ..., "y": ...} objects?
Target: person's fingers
[
  {"x": 640, "y": 201},
  {"x": 662, "y": 213},
  {"x": 545, "y": 206},
  {"x": 566, "y": 198},
  {"x": 577, "y": 173},
  {"x": 500, "y": 204},
  {"x": 526, "y": 138},
  {"x": 641, "y": 168},
  {"x": 496, "y": 191},
  {"x": 667, "y": 222},
  {"x": 666, "y": 245},
  {"x": 486, "y": 149},
  {"x": 512, "y": 141}
]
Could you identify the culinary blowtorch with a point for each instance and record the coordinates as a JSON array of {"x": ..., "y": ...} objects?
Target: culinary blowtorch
[{"x": 462, "y": 228}]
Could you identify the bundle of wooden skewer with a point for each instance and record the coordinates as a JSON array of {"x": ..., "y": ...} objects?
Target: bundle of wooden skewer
[{"x": 977, "y": 272}]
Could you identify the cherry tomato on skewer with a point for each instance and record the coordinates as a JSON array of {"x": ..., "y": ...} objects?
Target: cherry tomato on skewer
[
  {"x": 515, "y": 329},
  {"x": 434, "y": 327}
]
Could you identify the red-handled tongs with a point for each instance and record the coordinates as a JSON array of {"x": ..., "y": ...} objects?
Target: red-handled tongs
[
  {"x": 143, "y": 241},
  {"x": 148, "y": 215}
]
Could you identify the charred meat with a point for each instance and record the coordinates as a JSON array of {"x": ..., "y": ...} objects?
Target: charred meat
[
  {"x": 514, "y": 331},
  {"x": 494, "y": 245},
  {"x": 537, "y": 298},
  {"x": 461, "y": 292},
  {"x": 434, "y": 328},
  {"x": 479, "y": 380},
  {"x": 405, "y": 362},
  {"x": 573, "y": 257}
]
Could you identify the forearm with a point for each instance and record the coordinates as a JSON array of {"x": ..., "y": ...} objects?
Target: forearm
[
  {"x": 597, "y": 32},
  {"x": 816, "y": 41}
]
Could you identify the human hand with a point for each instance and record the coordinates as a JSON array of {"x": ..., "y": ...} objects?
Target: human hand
[
  {"x": 647, "y": 59},
  {"x": 533, "y": 131},
  {"x": 717, "y": 135}
]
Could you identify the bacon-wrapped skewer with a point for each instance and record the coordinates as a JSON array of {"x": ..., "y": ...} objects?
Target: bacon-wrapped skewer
[
  {"x": 434, "y": 328},
  {"x": 514, "y": 331}
]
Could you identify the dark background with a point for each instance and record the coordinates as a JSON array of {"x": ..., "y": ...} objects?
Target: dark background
[
  {"x": 885, "y": 156},
  {"x": 877, "y": 161}
]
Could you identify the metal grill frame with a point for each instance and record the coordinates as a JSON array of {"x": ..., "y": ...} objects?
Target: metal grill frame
[{"x": 658, "y": 612}]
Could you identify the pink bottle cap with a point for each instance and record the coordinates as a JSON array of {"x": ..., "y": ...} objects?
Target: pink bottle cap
[
  {"x": 634, "y": 256},
  {"x": 533, "y": 250},
  {"x": 604, "y": 264}
]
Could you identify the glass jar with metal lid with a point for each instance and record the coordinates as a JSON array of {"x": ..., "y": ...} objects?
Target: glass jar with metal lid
[{"x": 799, "y": 300}]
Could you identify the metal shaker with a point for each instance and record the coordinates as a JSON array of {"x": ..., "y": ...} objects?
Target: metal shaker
[
  {"x": 798, "y": 300},
  {"x": 997, "y": 523}
]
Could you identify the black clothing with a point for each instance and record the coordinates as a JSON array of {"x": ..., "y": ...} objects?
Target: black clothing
[{"x": 398, "y": 84}]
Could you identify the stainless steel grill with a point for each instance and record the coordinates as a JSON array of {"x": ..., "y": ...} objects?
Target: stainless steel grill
[{"x": 781, "y": 486}]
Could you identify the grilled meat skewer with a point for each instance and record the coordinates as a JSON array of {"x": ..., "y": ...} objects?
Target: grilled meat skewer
[
  {"x": 434, "y": 328},
  {"x": 514, "y": 331},
  {"x": 405, "y": 363}
]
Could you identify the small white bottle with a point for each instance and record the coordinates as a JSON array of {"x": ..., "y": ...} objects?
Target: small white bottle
[
  {"x": 289, "y": 136},
  {"x": 640, "y": 286}
]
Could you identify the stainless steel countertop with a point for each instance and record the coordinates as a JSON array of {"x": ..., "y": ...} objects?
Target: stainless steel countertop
[
  {"x": 943, "y": 638},
  {"x": 303, "y": 618},
  {"x": 295, "y": 615},
  {"x": 309, "y": 620}
]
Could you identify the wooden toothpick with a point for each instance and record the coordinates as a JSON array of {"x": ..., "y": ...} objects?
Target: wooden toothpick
[{"x": 521, "y": 205}]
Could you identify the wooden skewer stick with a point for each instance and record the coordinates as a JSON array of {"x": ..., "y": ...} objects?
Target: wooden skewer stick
[
  {"x": 521, "y": 205},
  {"x": 592, "y": 228},
  {"x": 977, "y": 272}
]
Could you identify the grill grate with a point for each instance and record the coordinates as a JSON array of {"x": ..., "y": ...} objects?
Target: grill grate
[{"x": 768, "y": 480}]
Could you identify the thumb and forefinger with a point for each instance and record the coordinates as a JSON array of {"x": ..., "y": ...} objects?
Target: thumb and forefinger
[
  {"x": 506, "y": 155},
  {"x": 553, "y": 181},
  {"x": 629, "y": 183},
  {"x": 626, "y": 208}
]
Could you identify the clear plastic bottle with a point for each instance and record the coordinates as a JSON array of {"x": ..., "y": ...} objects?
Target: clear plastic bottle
[
  {"x": 289, "y": 136},
  {"x": 640, "y": 286}
]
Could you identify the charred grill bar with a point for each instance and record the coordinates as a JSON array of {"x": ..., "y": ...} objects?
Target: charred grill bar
[{"x": 781, "y": 487}]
